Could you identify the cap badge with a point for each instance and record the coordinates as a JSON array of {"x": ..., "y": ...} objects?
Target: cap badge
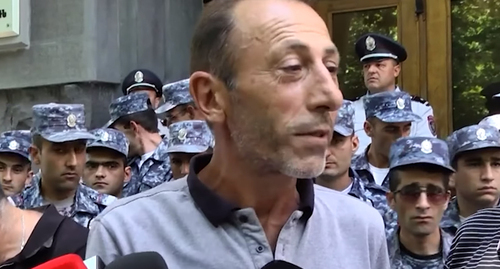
[
  {"x": 139, "y": 77},
  {"x": 13, "y": 145},
  {"x": 400, "y": 103},
  {"x": 481, "y": 134},
  {"x": 105, "y": 137},
  {"x": 71, "y": 120},
  {"x": 370, "y": 43},
  {"x": 426, "y": 146},
  {"x": 182, "y": 134}
]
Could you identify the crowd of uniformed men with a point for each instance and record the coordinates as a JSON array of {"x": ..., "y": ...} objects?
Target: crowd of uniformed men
[{"x": 383, "y": 151}]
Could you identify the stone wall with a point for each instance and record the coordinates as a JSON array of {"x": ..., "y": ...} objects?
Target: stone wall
[{"x": 80, "y": 51}]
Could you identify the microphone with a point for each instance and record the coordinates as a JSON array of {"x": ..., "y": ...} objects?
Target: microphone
[
  {"x": 68, "y": 261},
  {"x": 150, "y": 260}
]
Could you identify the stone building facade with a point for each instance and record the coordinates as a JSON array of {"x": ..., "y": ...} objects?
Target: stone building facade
[{"x": 80, "y": 50}]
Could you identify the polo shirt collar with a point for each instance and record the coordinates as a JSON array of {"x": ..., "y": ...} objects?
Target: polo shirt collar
[{"x": 218, "y": 210}]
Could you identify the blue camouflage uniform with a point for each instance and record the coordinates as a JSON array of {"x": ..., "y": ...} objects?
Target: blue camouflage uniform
[
  {"x": 156, "y": 169},
  {"x": 174, "y": 94},
  {"x": 468, "y": 138},
  {"x": 388, "y": 107},
  {"x": 365, "y": 191},
  {"x": 24, "y": 134},
  {"x": 493, "y": 120},
  {"x": 191, "y": 136},
  {"x": 60, "y": 123},
  {"x": 409, "y": 151},
  {"x": 10, "y": 143}
]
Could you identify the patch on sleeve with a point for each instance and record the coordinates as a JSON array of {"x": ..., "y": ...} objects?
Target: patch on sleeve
[
  {"x": 432, "y": 124},
  {"x": 420, "y": 100}
]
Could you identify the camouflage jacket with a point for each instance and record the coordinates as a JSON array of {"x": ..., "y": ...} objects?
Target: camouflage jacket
[
  {"x": 400, "y": 260},
  {"x": 88, "y": 202},
  {"x": 375, "y": 195},
  {"x": 360, "y": 164},
  {"x": 152, "y": 173},
  {"x": 451, "y": 217}
]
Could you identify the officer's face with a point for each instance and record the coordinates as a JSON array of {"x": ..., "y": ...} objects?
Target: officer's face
[
  {"x": 477, "y": 177},
  {"x": 420, "y": 200},
  {"x": 286, "y": 85},
  {"x": 383, "y": 134},
  {"x": 15, "y": 173},
  {"x": 338, "y": 156},
  {"x": 61, "y": 164},
  {"x": 179, "y": 163},
  {"x": 105, "y": 171},
  {"x": 182, "y": 113},
  {"x": 380, "y": 75}
]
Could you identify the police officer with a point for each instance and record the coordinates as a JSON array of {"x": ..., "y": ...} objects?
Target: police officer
[
  {"x": 145, "y": 81},
  {"x": 179, "y": 104},
  {"x": 338, "y": 174},
  {"x": 381, "y": 58},
  {"x": 59, "y": 139},
  {"x": 106, "y": 169},
  {"x": 388, "y": 117},
  {"x": 15, "y": 166},
  {"x": 492, "y": 93},
  {"x": 187, "y": 139},
  {"x": 134, "y": 116},
  {"x": 418, "y": 180},
  {"x": 475, "y": 155}
]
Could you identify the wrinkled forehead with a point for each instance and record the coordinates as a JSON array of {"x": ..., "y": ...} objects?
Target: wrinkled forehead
[{"x": 273, "y": 21}]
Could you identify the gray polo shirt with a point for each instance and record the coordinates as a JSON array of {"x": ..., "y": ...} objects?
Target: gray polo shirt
[{"x": 193, "y": 227}]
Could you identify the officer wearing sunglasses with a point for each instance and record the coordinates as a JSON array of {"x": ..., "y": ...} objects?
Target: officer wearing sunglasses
[
  {"x": 475, "y": 155},
  {"x": 418, "y": 180}
]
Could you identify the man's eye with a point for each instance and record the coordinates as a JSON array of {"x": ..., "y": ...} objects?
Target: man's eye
[{"x": 292, "y": 68}]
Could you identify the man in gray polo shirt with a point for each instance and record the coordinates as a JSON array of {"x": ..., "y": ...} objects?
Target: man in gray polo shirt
[{"x": 269, "y": 103}]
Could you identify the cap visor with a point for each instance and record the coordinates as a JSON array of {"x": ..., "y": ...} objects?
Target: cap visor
[
  {"x": 101, "y": 145},
  {"x": 109, "y": 124},
  {"x": 342, "y": 131},
  {"x": 397, "y": 117},
  {"x": 187, "y": 149},
  {"x": 496, "y": 95},
  {"x": 478, "y": 145},
  {"x": 164, "y": 108},
  {"x": 23, "y": 154},
  {"x": 412, "y": 162},
  {"x": 72, "y": 135}
]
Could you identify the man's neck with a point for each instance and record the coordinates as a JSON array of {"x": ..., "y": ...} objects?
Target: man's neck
[
  {"x": 389, "y": 88},
  {"x": 338, "y": 183},
  {"x": 466, "y": 208},
  {"x": 50, "y": 194},
  {"x": 376, "y": 159},
  {"x": 421, "y": 245},
  {"x": 150, "y": 142},
  {"x": 273, "y": 196}
]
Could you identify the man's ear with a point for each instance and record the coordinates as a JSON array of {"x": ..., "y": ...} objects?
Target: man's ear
[
  {"x": 35, "y": 153},
  {"x": 355, "y": 143},
  {"x": 210, "y": 96},
  {"x": 127, "y": 174},
  {"x": 134, "y": 127},
  {"x": 368, "y": 128}
]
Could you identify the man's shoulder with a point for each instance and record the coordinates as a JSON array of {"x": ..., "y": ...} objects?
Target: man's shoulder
[
  {"x": 166, "y": 193},
  {"x": 345, "y": 206},
  {"x": 490, "y": 215}
]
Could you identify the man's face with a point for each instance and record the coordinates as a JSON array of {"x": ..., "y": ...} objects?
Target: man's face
[
  {"x": 419, "y": 200},
  {"x": 477, "y": 177},
  {"x": 380, "y": 74},
  {"x": 278, "y": 115},
  {"x": 106, "y": 171},
  {"x": 383, "y": 134},
  {"x": 339, "y": 154},
  {"x": 61, "y": 164},
  {"x": 179, "y": 163},
  {"x": 15, "y": 173},
  {"x": 155, "y": 100},
  {"x": 182, "y": 113}
]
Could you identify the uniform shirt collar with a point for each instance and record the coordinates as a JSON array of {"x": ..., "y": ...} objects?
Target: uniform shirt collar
[{"x": 218, "y": 210}]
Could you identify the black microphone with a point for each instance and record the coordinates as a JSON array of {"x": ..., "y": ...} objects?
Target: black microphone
[
  {"x": 149, "y": 260},
  {"x": 278, "y": 264}
]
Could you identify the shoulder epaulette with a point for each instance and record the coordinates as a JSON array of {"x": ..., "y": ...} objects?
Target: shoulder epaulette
[{"x": 420, "y": 100}]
